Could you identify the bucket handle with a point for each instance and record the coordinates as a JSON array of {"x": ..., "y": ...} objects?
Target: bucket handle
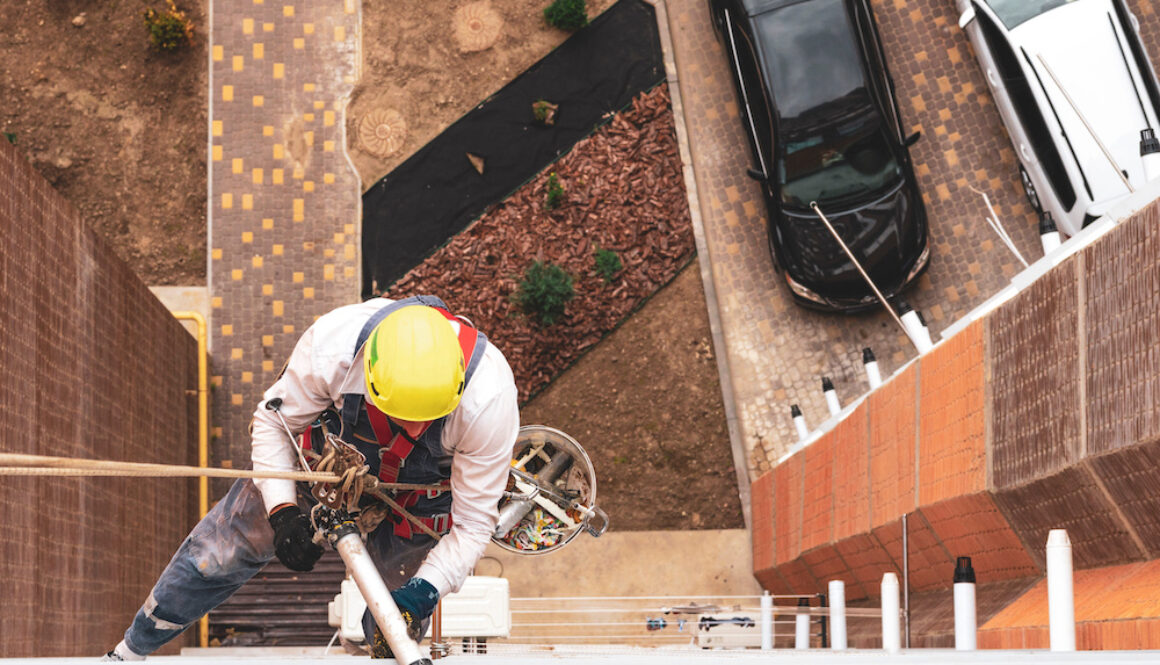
[{"x": 596, "y": 533}]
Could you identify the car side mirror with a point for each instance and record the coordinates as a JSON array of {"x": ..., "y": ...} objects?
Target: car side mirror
[
  {"x": 912, "y": 139},
  {"x": 967, "y": 17},
  {"x": 754, "y": 174}
]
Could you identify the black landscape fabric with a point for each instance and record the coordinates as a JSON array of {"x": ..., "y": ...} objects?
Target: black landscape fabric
[{"x": 436, "y": 193}]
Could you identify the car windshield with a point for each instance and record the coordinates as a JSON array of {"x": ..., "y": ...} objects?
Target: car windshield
[
  {"x": 1014, "y": 12},
  {"x": 841, "y": 161}
]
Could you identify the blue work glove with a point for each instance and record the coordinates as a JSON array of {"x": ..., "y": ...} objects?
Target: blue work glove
[{"x": 417, "y": 596}]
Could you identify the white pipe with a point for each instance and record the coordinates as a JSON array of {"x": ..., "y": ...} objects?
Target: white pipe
[
  {"x": 917, "y": 330},
  {"x": 873, "y": 376},
  {"x": 1060, "y": 591},
  {"x": 799, "y": 422},
  {"x": 891, "y": 614},
  {"x": 370, "y": 583},
  {"x": 1048, "y": 235},
  {"x": 766, "y": 621},
  {"x": 801, "y": 634},
  {"x": 831, "y": 395},
  {"x": 837, "y": 615},
  {"x": 966, "y": 621},
  {"x": 1150, "y": 154}
]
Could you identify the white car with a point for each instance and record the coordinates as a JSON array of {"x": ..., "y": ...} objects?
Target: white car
[{"x": 1068, "y": 76}]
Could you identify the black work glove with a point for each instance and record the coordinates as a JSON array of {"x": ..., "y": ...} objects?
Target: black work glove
[{"x": 294, "y": 539}]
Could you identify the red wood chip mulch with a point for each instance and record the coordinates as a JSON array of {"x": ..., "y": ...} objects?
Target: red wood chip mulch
[{"x": 624, "y": 191}]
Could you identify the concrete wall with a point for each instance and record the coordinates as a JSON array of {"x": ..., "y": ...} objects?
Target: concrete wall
[
  {"x": 1043, "y": 414},
  {"x": 93, "y": 367}
]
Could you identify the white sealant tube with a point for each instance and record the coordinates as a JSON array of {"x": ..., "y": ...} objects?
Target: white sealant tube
[
  {"x": 766, "y": 621},
  {"x": 1060, "y": 591},
  {"x": 831, "y": 395},
  {"x": 837, "y": 615},
  {"x": 799, "y": 422},
  {"x": 873, "y": 376},
  {"x": 891, "y": 616},
  {"x": 801, "y": 635},
  {"x": 360, "y": 566},
  {"x": 966, "y": 625},
  {"x": 918, "y": 332}
]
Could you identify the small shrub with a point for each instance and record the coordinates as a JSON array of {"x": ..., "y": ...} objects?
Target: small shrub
[
  {"x": 555, "y": 194},
  {"x": 607, "y": 264},
  {"x": 544, "y": 112},
  {"x": 169, "y": 30},
  {"x": 567, "y": 14},
  {"x": 544, "y": 291},
  {"x": 11, "y": 137}
]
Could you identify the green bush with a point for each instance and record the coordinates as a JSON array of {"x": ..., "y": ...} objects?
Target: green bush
[
  {"x": 607, "y": 264},
  {"x": 567, "y": 14},
  {"x": 169, "y": 30},
  {"x": 544, "y": 291},
  {"x": 11, "y": 137},
  {"x": 555, "y": 194}
]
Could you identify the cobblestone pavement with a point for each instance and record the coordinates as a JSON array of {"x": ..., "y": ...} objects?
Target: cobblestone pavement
[
  {"x": 778, "y": 351},
  {"x": 284, "y": 200}
]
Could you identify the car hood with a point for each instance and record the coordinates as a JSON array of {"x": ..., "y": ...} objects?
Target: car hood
[{"x": 887, "y": 234}]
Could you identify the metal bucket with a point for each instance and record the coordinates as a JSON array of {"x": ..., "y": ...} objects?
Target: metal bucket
[{"x": 551, "y": 494}]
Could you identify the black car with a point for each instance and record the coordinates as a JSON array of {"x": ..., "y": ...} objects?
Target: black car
[{"x": 819, "y": 109}]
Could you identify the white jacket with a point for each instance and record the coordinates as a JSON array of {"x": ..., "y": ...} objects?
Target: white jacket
[{"x": 480, "y": 433}]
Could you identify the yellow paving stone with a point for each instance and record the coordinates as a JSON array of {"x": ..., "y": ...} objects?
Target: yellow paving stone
[
  {"x": 237, "y": 164},
  {"x": 278, "y": 152},
  {"x": 307, "y": 87},
  {"x": 918, "y": 103},
  {"x": 348, "y": 79},
  {"x": 299, "y": 209},
  {"x": 952, "y": 157},
  {"x": 227, "y": 330},
  {"x": 267, "y": 27},
  {"x": 328, "y": 271},
  {"x": 308, "y": 292},
  {"x": 247, "y": 377},
  {"x": 247, "y": 26},
  {"x": 277, "y": 250},
  {"x": 309, "y": 138},
  {"x": 239, "y": 63},
  {"x": 328, "y": 253},
  {"x": 308, "y": 28},
  {"x": 308, "y": 186},
  {"x": 279, "y": 70},
  {"x": 349, "y": 228},
  {"x": 348, "y": 272},
  {"x": 339, "y": 238},
  {"x": 267, "y": 130},
  {"x": 298, "y": 277},
  {"x": 299, "y": 43},
  {"x": 348, "y": 252},
  {"x": 339, "y": 33},
  {"x": 216, "y": 254},
  {"x": 247, "y": 236},
  {"x": 319, "y": 104},
  {"x": 227, "y": 200},
  {"x": 236, "y": 274},
  {"x": 216, "y": 302},
  {"x": 268, "y": 223},
  {"x": 236, "y": 398},
  {"x": 258, "y": 176},
  {"x": 288, "y": 329},
  {"x": 227, "y": 93},
  {"x": 298, "y": 173},
  {"x": 256, "y": 261},
  {"x": 276, "y": 176},
  {"x": 328, "y": 146},
  {"x": 287, "y": 10},
  {"x": 328, "y": 119},
  {"x": 218, "y": 53},
  {"x": 216, "y": 381},
  {"x": 236, "y": 353},
  {"x": 267, "y": 365},
  {"x": 267, "y": 289},
  {"x": 217, "y": 153},
  {"x": 348, "y": 6},
  {"x": 217, "y": 127},
  {"x": 267, "y": 340},
  {"x": 247, "y": 201},
  {"x": 259, "y": 51},
  {"x": 328, "y": 178},
  {"x": 308, "y": 117},
  {"x": 277, "y": 306},
  {"x": 259, "y": 100}
]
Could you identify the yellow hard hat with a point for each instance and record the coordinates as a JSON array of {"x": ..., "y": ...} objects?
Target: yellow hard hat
[{"x": 414, "y": 365}]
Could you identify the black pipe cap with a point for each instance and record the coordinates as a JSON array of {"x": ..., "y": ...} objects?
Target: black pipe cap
[
  {"x": 794, "y": 411},
  {"x": 963, "y": 570},
  {"x": 868, "y": 356},
  {"x": 827, "y": 384},
  {"x": 1148, "y": 142},
  {"x": 1047, "y": 223},
  {"x": 902, "y": 306}
]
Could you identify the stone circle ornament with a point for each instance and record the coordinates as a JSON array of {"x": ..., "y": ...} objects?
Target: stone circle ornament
[
  {"x": 477, "y": 26},
  {"x": 382, "y": 132}
]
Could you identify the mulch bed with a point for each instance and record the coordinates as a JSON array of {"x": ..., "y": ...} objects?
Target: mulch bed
[{"x": 624, "y": 191}]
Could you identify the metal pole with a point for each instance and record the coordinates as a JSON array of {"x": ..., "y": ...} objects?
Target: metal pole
[
  {"x": 865, "y": 276},
  {"x": 801, "y": 636},
  {"x": 439, "y": 649},
  {"x": 1112, "y": 160},
  {"x": 905, "y": 585}
]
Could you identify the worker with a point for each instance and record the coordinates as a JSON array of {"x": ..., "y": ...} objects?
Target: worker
[{"x": 439, "y": 402}]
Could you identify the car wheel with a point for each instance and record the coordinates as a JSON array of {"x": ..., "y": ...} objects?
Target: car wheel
[{"x": 1029, "y": 190}]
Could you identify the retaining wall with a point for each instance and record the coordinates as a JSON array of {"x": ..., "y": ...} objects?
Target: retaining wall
[
  {"x": 1043, "y": 414},
  {"x": 94, "y": 367}
]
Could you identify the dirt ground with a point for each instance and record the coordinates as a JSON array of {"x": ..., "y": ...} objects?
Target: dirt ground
[{"x": 120, "y": 131}]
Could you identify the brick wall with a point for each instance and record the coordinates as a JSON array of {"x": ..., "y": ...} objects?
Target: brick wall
[
  {"x": 94, "y": 367},
  {"x": 1041, "y": 415}
]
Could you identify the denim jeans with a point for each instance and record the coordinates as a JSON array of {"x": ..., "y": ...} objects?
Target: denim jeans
[{"x": 227, "y": 548}]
